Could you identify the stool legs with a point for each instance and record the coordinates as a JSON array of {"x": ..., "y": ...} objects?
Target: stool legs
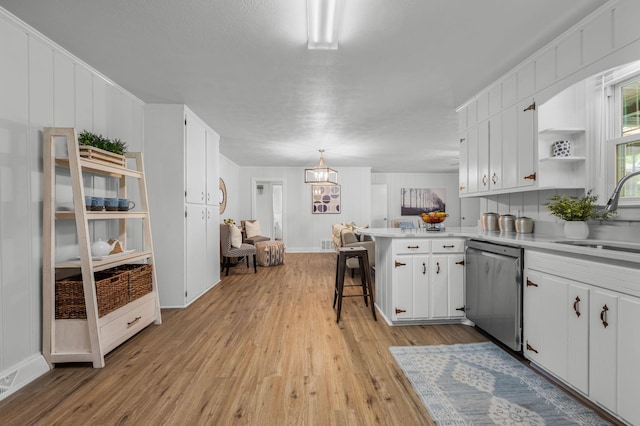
[{"x": 365, "y": 279}]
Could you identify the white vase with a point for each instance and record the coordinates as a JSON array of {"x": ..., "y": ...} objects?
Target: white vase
[{"x": 576, "y": 230}]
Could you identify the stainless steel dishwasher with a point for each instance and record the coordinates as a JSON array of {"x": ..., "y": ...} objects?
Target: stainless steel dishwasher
[{"x": 494, "y": 290}]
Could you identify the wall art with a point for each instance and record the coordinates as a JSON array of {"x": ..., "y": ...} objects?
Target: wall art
[
  {"x": 325, "y": 199},
  {"x": 415, "y": 201}
]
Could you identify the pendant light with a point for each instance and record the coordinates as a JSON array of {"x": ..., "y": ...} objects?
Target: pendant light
[{"x": 321, "y": 174}]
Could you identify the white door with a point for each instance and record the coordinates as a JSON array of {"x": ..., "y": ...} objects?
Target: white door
[
  {"x": 456, "y": 285},
  {"x": 268, "y": 207},
  {"x": 628, "y": 353},
  {"x": 603, "y": 315},
  {"x": 196, "y": 245},
  {"x": 379, "y": 206},
  {"x": 439, "y": 286},
  {"x": 195, "y": 160}
]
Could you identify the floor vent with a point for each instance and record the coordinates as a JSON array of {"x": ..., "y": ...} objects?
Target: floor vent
[{"x": 326, "y": 244}]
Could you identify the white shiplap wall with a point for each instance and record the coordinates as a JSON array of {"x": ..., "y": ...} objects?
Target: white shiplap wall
[{"x": 41, "y": 85}]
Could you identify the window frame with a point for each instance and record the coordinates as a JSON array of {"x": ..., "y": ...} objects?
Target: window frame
[{"x": 613, "y": 93}]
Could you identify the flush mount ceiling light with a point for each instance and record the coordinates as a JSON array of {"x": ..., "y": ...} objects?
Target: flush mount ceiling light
[
  {"x": 321, "y": 174},
  {"x": 322, "y": 24}
]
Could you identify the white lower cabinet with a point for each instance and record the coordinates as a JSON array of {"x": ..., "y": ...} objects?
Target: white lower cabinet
[
  {"x": 628, "y": 359},
  {"x": 556, "y": 326},
  {"x": 580, "y": 324},
  {"x": 603, "y": 330},
  {"x": 428, "y": 279}
]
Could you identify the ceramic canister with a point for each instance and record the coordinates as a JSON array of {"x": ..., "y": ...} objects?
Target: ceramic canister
[
  {"x": 524, "y": 225},
  {"x": 489, "y": 221},
  {"x": 507, "y": 223}
]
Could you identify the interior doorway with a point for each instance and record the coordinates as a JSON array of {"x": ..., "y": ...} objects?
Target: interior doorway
[{"x": 268, "y": 206}]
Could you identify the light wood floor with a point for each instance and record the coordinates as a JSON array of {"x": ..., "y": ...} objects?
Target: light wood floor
[{"x": 255, "y": 350}]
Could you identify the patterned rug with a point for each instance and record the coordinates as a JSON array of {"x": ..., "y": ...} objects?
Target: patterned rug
[{"x": 479, "y": 384}]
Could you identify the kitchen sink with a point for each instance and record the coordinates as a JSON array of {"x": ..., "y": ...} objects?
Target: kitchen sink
[{"x": 603, "y": 245}]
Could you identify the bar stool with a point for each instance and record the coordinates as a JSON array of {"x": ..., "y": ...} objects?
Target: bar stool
[{"x": 360, "y": 253}]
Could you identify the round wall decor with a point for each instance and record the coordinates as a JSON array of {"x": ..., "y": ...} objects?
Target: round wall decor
[{"x": 223, "y": 196}]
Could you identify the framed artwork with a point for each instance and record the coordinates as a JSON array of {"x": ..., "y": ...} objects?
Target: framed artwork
[
  {"x": 325, "y": 199},
  {"x": 415, "y": 201}
]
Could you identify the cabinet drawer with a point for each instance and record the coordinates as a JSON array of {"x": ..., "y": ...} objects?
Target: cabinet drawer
[
  {"x": 127, "y": 321},
  {"x": 447, "y": 246},
  {"x": 410, "y": 245}
]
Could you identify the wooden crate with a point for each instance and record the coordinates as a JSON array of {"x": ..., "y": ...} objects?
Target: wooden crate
[{"x": 102, "y": 156}]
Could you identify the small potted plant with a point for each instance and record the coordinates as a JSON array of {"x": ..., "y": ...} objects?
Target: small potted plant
[
  {"x": 575, "y": 211},
  {"x": 97, "y": 141}
]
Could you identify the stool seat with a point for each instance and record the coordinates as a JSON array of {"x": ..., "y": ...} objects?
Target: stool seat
[{"x": 359, "y": 254}]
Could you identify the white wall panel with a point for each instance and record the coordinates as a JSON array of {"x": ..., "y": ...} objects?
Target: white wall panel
[
  {"x": 570, "y": 54},
  {"x": 83, "y": 99},
  {"x": 546, "y": 69},
  {"x": 101, "y": 106},
  {"x": 598, "y": 37},
  {"x": 625, "y": 17},
  {"x": 526, "y": 80},
  {"x": 64, "y": 91},
  {"x": 15, "y": 259},
  {"x": 41, "y": 115},
  {"x": 40, "y": 85}
]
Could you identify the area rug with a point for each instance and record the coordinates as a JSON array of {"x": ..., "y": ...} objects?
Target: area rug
[{"x": 479, "y": 384}]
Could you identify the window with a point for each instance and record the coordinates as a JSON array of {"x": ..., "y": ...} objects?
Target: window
[{"x": 625, "y": 133}]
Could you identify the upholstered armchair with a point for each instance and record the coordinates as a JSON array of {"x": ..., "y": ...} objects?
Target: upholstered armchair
[
  {"x": 251, "y": 232},
  {"x": 231, "y": 248}
]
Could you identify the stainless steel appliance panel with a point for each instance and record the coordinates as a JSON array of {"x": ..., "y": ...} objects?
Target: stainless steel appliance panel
[{"x": 494, "y": 290}]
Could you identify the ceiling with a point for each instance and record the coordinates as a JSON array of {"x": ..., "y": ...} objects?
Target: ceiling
[{"x": 385, "y": 99}]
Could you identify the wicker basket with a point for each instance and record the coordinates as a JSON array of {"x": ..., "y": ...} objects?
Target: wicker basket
[
  {"x": 140, "y": 279},
  {"x": 112, "y": 292}
]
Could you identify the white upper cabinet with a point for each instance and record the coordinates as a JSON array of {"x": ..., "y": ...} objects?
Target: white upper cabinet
[
  {"x": 495, "y": 152},
  {"x": 472, "y": 159},
  {"x": 595, "y": 44},
  {"x": 195, "y": 154},
  {"x": 213, "y": 168},
  {"x": 483, "y": 156},
  {"x": 527, "y": 155},
  {"x": 463, "y": 169}
]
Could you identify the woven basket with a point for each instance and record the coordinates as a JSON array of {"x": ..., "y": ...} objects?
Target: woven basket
[
  {"x": 112, "y": 292},
  {"x": 140, "y": 279}
]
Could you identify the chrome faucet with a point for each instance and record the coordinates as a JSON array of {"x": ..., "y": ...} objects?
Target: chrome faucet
[{"x": 612, "y": 204}]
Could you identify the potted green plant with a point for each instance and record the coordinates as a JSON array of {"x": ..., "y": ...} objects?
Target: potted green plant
[
  {"x": 575, "y": 211},
  {"x": 97, "y": 141}
]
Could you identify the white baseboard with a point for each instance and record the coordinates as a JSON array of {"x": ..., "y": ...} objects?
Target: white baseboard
[
  {"x": 308, "y": 250},
  {"x": 21, "y": 375}
]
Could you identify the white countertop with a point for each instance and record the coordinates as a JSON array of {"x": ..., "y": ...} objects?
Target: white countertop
[{"x": 537, "y": 241}]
